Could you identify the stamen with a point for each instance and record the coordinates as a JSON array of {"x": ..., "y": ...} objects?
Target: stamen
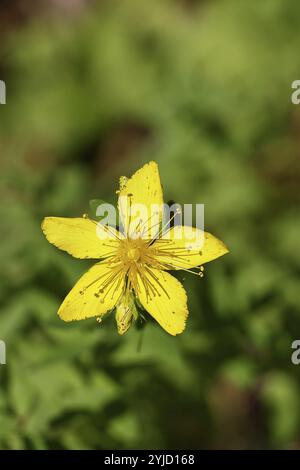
[
  {"x": 158, "y": 282},
  {"x": 146, "y": 221},
  {"x": 105, "y": 227},
  {"x": 129, "y": 212},
  {"x": 161, "y": 231}
]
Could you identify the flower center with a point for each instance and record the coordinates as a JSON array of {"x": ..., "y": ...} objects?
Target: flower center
[
  {"x": 133, "y": 251},
  {"x": 133, "y": 254}
]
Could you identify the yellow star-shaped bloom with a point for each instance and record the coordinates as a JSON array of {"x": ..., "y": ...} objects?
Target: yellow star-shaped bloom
[{"x": 134, "y": 260}]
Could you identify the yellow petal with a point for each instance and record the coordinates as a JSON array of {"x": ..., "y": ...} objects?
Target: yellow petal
[
  {"x": 96, "y": 292},
  {"x": 169, "y": 304},
  {"x": 185, "y": 247},
  {"x": 141, "y": 202},
  {"x": 81, "y": 237}
]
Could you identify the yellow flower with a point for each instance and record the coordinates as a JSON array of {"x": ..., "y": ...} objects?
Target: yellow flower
[{"x": 134, "y": 261}]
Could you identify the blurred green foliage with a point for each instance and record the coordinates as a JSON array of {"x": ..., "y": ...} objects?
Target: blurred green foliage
[{"x": 204, "y": 89}]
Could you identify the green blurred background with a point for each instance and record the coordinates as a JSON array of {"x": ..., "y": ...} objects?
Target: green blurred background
[{"x": 94, "y": 90}]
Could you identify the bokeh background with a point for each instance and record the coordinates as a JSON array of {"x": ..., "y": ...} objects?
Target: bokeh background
[{"x": 94, "y": 90}]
